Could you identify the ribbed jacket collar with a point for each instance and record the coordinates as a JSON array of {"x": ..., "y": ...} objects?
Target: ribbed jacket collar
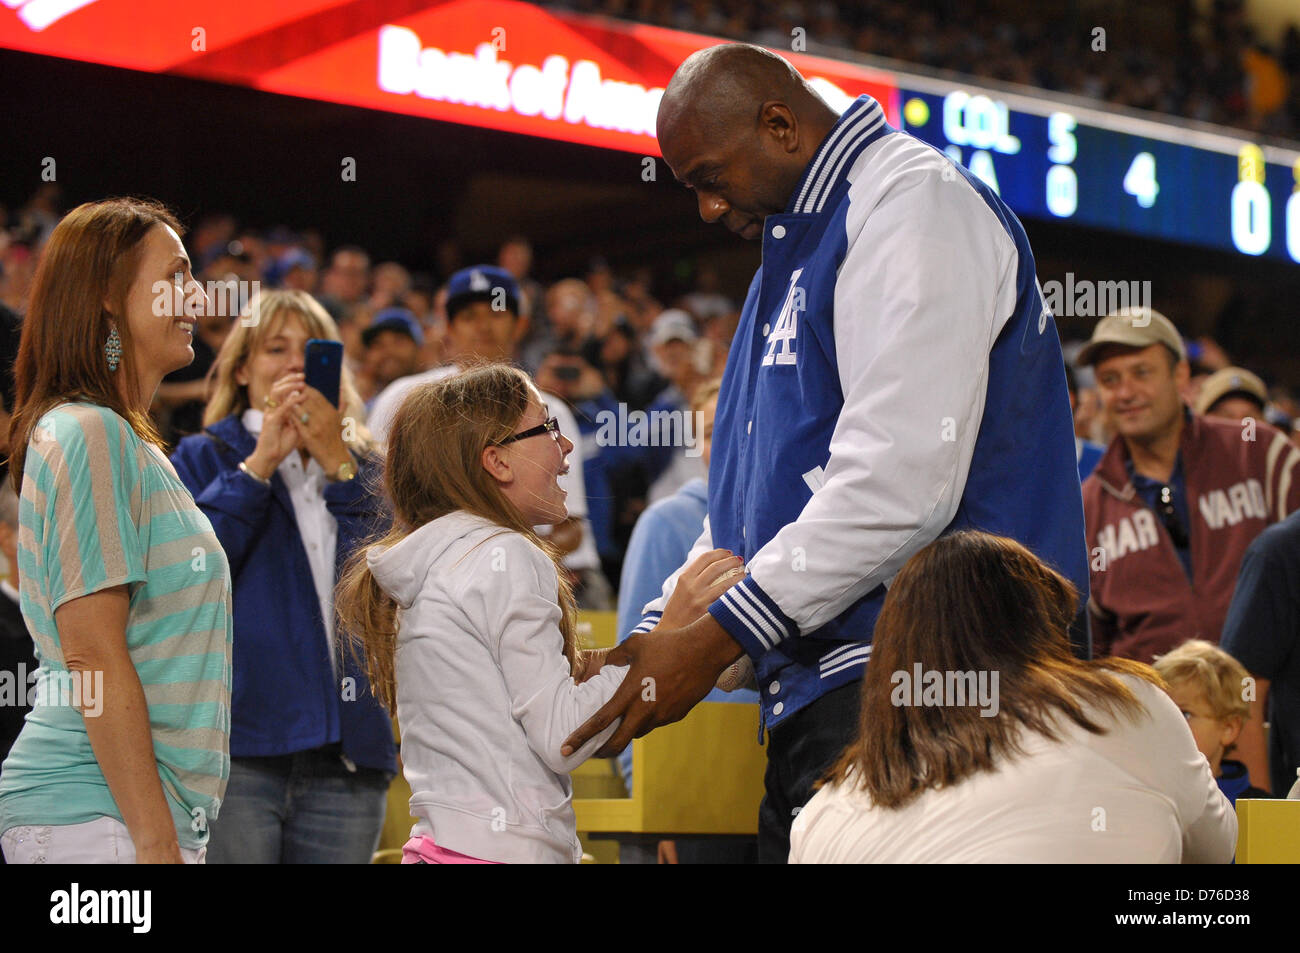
[{"x": 861, "y": 124}]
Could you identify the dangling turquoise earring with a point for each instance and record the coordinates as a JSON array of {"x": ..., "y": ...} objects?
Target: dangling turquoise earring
[{"x": 113, "y": 349}]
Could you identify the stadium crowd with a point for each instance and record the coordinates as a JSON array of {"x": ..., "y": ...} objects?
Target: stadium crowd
[
  {"x": 1167, "y": 59},
  {"x": 1188, "y": 463}
]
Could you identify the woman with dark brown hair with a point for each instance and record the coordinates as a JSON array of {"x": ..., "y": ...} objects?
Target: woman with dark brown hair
[
  {"x": 124, "y": 586},
  {"x": 983, "y": 740}
]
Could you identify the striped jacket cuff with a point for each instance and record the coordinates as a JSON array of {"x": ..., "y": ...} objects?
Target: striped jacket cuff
[
  {"x": 751, "y": 618},
  {"x": 648, "y": 622}
]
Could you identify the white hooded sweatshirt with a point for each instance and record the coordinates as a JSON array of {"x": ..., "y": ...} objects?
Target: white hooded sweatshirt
[{"x": 484, "y": 694}]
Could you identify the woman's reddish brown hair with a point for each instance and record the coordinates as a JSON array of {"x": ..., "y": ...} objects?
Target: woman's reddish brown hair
[{"x": 78, "y": 293}]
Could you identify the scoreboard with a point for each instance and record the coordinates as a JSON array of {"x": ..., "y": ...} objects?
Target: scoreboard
[{"x": 1144, "y": 177}]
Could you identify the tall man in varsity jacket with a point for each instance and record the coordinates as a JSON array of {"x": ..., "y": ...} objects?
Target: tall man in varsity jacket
[{"x": 895, "y": 376}]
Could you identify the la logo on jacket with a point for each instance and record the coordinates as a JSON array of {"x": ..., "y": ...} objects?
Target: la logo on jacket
[{"x": 780, "y": 342}]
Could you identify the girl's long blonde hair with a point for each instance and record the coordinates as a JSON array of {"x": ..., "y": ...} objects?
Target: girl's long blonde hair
[
  {"x": 259, "y": 321},
  {"x": 433, "y": 467}
]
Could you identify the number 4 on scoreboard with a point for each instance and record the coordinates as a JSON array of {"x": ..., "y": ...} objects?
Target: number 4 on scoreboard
[{"x": 1140, "y": 180}]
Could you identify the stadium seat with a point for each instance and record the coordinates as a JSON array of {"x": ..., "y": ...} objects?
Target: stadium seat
[
  {"x": 1268, "y": 831},
  {"x": 702, "y": 775}
]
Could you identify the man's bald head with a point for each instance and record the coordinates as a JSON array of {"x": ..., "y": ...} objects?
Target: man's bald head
[
  {"x": 723, "y": 86},
  {"x": 739, "y": 125}
]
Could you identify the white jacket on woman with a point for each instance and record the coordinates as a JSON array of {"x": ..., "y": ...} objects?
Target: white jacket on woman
[
  {"x": 484, "y": 694},
  {"x": 1139, "y": 794}
]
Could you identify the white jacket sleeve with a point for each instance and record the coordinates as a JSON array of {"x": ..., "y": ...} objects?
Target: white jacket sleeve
[
  {"x": 653, "y": 611},
  {"x": 544, "y": 698},
  {"x": 928, "y": 282}
]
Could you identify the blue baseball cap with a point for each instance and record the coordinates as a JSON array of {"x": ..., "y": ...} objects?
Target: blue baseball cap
[
  {"x": 394, "y": 319},
  {"x": 482, "y": 283},
  {"x": 293, "y": 258}
]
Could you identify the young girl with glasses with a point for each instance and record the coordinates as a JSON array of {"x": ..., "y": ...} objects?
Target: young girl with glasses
[{"x": 467, "y": 628}]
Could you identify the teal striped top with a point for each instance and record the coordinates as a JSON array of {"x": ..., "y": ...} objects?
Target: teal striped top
[{"x": 101, "y": 508}]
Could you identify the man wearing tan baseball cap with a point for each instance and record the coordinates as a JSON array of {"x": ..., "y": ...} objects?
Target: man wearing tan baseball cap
[
  {"x": 1133, "y": 328},
  {"x": 1176, "y": 498}
]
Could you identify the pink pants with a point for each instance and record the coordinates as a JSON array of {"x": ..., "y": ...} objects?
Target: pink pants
[{"x": 422, "y": 850}]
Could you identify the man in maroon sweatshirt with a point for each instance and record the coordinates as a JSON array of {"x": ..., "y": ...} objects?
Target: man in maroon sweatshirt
[{"x": 1177, "y": 497}]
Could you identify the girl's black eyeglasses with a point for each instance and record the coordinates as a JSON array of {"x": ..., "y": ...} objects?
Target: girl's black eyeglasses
[{"x": 551, "y": 427}]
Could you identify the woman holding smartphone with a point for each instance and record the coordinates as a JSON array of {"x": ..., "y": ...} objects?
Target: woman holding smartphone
[
  {"x": 124, "y": 587},
  {"x": 286, "y": 479}
]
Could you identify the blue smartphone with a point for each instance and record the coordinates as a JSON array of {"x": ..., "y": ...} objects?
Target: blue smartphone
[{"x": 323, "y": 366}]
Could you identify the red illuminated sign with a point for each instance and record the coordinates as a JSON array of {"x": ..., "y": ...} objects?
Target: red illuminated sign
[{"x": 492, "y": 63}]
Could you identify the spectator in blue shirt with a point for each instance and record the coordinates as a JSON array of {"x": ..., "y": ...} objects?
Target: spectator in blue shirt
[
  {"x": 1262, "y": 632},
  {"x": 660, "y": 543}
]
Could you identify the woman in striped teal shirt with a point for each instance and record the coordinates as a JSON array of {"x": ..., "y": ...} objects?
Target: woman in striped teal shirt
[{"x": 125, "y": 588}]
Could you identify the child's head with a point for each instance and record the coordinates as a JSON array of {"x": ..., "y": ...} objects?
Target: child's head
[
  {"x": 1208, "y": 685},
  {"x": 455, "y": 445}
]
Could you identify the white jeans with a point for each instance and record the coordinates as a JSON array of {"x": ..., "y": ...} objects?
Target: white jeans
[{"x": 105, "y": 840}]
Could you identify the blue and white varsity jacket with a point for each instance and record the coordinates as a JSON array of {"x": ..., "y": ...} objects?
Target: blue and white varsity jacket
[{"x": 895, "y": 376}]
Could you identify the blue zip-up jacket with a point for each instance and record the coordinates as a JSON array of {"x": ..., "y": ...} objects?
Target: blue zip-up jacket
[
  {"x": 285, "y": 696},
  {"x": 1234, "y": 782},
  {"x": 895, "y": 376}
]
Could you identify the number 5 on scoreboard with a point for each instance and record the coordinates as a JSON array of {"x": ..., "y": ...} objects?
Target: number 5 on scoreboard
[{"x": 1140, "y": 180}]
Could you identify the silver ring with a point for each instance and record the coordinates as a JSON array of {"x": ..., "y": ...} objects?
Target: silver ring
[{"x": 305, "y": 417}]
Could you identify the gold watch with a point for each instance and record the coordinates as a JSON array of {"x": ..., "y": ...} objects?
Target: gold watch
[{"x": 346, "y": 471}]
